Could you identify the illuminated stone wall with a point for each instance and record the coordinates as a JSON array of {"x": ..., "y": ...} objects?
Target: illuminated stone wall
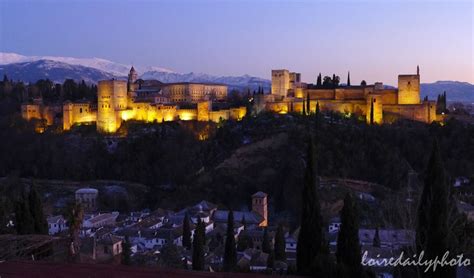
[
  {"x": 186, "y": 114},
  {"x": 30, "y": 111},
  {"x": 40, "y": 112},
  {"x": 194, "y": 92},
  {"x": 374, "y": 101},
  {"x": 424, "y": 112},
  {"x": 74, "y": 113},
  {"x": 217, "y": 116},
  {"x": 203, "y": 108}
]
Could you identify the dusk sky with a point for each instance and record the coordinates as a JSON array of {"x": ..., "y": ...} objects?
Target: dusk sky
[{"x": 375, "y": 41}]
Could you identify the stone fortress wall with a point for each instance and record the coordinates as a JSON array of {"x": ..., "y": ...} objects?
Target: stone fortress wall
[
  {"x": 120, "y": 100},
  {"x": 403, "y": 102}
]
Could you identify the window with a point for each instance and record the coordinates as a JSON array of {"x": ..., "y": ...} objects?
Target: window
[{"x": 80, "y": 110}]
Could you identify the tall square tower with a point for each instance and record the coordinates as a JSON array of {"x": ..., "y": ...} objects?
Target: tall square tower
[{"x": 280, "y": 82}]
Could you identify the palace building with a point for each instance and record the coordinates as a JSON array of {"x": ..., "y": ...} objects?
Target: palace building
[
  {"x": 374, "y": 102},
  {"x": 141, "y": 100},
  {"x": 154, "y": 101}
]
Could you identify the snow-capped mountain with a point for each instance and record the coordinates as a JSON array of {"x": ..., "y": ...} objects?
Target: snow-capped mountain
[
  {"x": 53, "y": 70},
  {"x": 96, "y": 63},
  {"x": 27, "y": 68},
  {"x": 237, "y": 82}
]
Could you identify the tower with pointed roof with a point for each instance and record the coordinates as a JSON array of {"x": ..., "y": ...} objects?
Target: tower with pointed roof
[{"x": 132, "y": 78}]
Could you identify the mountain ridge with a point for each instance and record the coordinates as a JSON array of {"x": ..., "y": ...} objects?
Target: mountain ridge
[{"x": 91, "y": 70}]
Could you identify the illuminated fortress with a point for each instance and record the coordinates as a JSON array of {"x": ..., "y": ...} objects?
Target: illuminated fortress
[
  {"x": 141, "y": 100},
  {"x": 374, "y": 102},
  {"x": 153, "y": 101}
]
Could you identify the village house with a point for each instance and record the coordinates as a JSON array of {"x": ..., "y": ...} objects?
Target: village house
[
  {"x": 100, "y": 220},
  {"x": 56, "y": 224}
]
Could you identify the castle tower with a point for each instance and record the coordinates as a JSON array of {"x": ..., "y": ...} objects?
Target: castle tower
[
  {"x": 111, "y": 98},
  {"x": 260, "y": 206},
  {"x": 280, "y": 82},
  {"x": 409, "y": 88},
  {"x": 132, "y": 78}
]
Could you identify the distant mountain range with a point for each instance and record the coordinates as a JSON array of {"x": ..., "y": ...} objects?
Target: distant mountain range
[
  {"x": 455, "y": 90},
  {"x": 32, "y": 68},
  {"x": 91, "y": 70}
]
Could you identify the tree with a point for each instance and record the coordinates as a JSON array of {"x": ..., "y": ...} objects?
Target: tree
[
  {"x": 280, "y": 254},
  {"x": 318, "y": 82},
  {"x": 308, "y": 104},
  {"x": 318, "y": 116},
  {"x": 126, "y": 252},
  {"x": 348, "y": 248},
  {"x": 244, "y": 241},
  {"x": 24, "y": 222},
  {"x": 271, "y": 259},
  {"x": 335, "y": 80},
  {"x": 327, "y": 81},
  {"x": 376, "y": 241},
  {"x": 36, "y": 211},
  {"x": 363, "y": 83},
  {"x": 266, "y": 245},
  {"x": 310, "y": 237},
  {"x": 433, "y": 210},
  {"x": 74, "y": 216},
  {"x": 198, "y": 246},
  {"x": 349, "y": 78},
  {"x": 230, "y": 254},
  {"x": 372, "y": 112},
  {"x": 170, "y": 256},
  {"x": 186, "y": 232}
]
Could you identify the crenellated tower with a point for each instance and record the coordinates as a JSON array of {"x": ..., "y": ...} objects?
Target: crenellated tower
[
  {"x": 409, "y": 88},
  {"x": 111, "y": 98}
]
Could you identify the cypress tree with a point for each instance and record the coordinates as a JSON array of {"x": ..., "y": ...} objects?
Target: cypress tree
[
  {"x": 75, "y": 215},
  {"x": 372, "y": 112},
  {"x": 376, "y": 241},
  {"x": 230, "y": 253},
  {"x": 280, "y": 254},
  {"x": 308, "y": 104},
  {"x": 271, "y": 259},
  {"x": 319, "y": 81},
  {"x": 266, "y": 246},
  {"x": 349, "y": 78},
  {"x": 310, "y": 237},
  {"x": 186, "y": 232},
  {"x": 348, "y": 248},
  {"x": 432, "y": 219},
  {"x": 24, "y": 223},
  {"x": 36, "y": 211},
  {"x": 198, "y": 246},
  {"x": 126, "y": 252},
  {"x": 318, "y": 116}
]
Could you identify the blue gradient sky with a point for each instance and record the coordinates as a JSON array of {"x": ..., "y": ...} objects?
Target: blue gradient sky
[{"x": 375, "y": 41}]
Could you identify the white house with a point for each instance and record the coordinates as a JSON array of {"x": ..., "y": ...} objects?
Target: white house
[
  {"x": 100, "y": 220},
  {"x": 56, "y": 224},
  {"x": 334, "y": 225}
]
